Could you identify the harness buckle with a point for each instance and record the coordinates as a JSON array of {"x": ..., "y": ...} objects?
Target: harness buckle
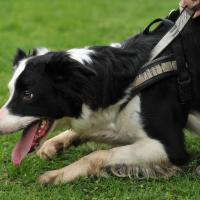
[{"x": 184, "y": 82}]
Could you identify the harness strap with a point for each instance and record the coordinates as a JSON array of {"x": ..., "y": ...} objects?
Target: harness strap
[
  {"x": 154, "y": 71},
  {"x": 173, "y": 33},
  {"x": 158, "y": 69},
  {"x": 183, "y": 77}
]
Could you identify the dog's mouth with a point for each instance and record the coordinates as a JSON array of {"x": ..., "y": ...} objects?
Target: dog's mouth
[{"x": 30, "y": 140}]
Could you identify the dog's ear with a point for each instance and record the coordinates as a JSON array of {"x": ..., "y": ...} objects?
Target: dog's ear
[
  {"x": 20, "y": 54},
  {"x": 61, "y": 68}
]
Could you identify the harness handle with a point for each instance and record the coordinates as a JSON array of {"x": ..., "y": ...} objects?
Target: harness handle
[
  {"x": 147, "y": 29},
  {"x": 185, "y": 16},
  {"x": 164, "y": 21}
]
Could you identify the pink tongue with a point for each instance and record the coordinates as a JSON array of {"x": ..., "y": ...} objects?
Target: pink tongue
[{"x": 24, "y": 145}]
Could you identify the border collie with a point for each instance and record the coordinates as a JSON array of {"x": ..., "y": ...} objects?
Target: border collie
[{"x": 91, "y": 88}]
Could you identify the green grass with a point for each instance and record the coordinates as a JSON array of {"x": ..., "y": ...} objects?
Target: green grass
[{"x": 63, "y": 24}]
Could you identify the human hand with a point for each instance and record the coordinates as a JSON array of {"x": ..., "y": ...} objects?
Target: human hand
[{"x": 190, "y": 4}]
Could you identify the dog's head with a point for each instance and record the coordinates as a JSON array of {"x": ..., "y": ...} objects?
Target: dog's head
[{"x": 45, "y": 86}]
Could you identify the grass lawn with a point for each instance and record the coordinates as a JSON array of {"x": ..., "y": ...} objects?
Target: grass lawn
[{"x": 62, "y": 24}]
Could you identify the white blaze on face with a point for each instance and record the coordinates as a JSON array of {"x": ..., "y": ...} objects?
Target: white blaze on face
[
  {"x": 10, "y": 122},
  {"x": 19, "y": 69}
]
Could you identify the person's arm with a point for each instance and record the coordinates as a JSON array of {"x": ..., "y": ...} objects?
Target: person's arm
[{"x": 190, "y": 4}]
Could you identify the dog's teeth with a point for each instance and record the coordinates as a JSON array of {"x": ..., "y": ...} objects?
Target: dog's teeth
[{"x": 43, "y": 123}]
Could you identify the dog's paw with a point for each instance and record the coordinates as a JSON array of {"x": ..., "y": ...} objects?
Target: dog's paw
[
  {"x": 60, "y": 176},
  {"x": 49, "y": 149},
  {"x": 66, "y": 174},
  {"x": 54, "y": 145},
  {"x": 51, "y": 178}
]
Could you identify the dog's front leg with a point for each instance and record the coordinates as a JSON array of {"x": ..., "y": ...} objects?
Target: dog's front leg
[
  {"x": 88, "y": 165},
  {"x": 69, "y": 137},
  {"x": 55, "y": 144},
  {"x": 146, "y": 157}
]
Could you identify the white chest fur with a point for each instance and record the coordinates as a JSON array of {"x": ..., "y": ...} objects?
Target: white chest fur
[{"x": 125, "y": 124}]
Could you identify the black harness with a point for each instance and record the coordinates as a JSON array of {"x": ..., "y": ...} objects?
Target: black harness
[{"x": 176, "y": 64}]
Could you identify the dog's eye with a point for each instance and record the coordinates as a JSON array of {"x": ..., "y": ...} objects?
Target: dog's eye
[{"x": 27, "y": 96}]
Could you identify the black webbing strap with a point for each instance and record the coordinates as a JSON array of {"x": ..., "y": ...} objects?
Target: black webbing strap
[
  {"x": 183, "y": 75},
  {"x": 166, "y": 22}
]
